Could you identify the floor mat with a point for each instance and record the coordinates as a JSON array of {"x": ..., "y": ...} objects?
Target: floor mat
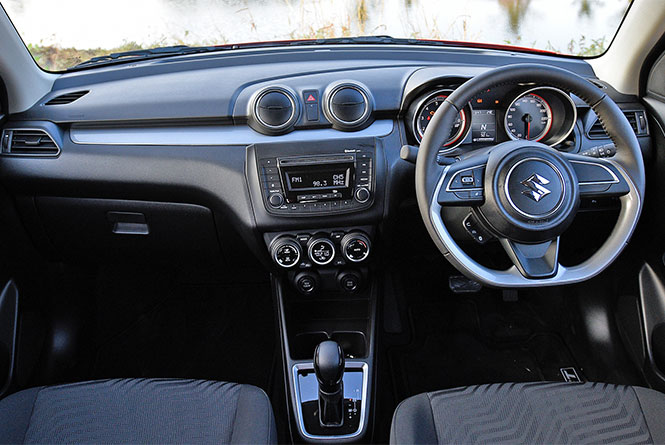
[
  {"x": 196, "y": 331},
  {"x": 463, "y": 342}
]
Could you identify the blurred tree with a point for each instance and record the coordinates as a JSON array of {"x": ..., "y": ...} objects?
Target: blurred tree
[{"x": 516, "y": 10}]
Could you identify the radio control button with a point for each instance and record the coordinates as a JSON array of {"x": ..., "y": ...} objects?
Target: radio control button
[
  {"x": 276, "y": 200},
  {"x": 362, "y": 195},
  {"x": 303, "y": 237}
]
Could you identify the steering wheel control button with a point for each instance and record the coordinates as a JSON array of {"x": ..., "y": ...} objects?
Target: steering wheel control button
[
  {"x": 286, "y": 252},
  {"x": 475, "y": 230},
  {"x": 321, "y": 251},
  {"x": 355, "y": 247},
  {"x": 467, "y": 179},
  {"x": 362, "y": 195},
  {"x": 535, "y": 188}
]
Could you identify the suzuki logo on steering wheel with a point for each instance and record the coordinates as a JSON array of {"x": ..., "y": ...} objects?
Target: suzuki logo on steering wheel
[{"x": 536, "y": 187}]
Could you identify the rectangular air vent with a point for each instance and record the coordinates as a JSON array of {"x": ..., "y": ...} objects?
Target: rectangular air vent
[
  {"x": 67, "y": 98},
  {"x": 636, "y": 119},
  {"x": 28, "y": 142}
]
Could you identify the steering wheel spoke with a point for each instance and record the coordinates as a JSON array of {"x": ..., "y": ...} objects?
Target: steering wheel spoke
[
  {"x": 534, "y": 261},
  {"x": 462, "y": 182},
  {"x": 598, "y": 177}
]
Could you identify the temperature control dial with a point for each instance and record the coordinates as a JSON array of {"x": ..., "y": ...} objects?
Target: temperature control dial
[
  {"x": 320, "y": 250},
  {"x": 355, "y": 247},
  {"x": 286, "y": 252}
]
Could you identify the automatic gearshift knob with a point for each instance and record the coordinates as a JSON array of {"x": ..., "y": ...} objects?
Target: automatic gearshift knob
[{"x": 329, "y": 365}]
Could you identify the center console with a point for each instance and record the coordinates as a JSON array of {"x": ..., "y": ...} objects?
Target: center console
[
  {"x": 318, "y": 205},
  {"x": 326, "y": 292}
]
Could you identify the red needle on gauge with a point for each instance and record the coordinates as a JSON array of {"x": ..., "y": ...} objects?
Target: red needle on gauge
[{"x": 527, "y": 123}]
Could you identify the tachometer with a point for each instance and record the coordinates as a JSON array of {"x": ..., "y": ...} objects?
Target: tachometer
[
  {"x": 528, "y": 117},
  {"x": 426, "y": 112}
]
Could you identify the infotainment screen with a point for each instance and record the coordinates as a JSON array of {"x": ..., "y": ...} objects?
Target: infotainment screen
[{"x": 318, "y": 179}]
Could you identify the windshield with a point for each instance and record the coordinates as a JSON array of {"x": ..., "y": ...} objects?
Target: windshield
[{"x": 61, "y": 34}]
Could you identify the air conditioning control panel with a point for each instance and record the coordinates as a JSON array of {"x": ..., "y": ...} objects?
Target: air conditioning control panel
[{"x": 319, "y": 248}]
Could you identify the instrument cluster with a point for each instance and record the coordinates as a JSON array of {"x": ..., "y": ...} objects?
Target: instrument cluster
[{"x": 536, "y": 113}]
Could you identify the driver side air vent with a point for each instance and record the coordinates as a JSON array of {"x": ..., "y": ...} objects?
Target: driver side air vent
[
  {"x": 28, "y": 142},
  {"x": 67, "y": 98},
  {"x": 636, "y": 119}
]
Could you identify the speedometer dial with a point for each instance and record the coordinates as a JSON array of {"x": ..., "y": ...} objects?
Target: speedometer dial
[
  {"x": 426, "y": 112},
  {"x": 529, "y": 117}
]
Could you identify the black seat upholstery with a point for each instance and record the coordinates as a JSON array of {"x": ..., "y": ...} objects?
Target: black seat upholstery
[
  {"x": 532, "y": 413},
  {"x": 138, "y": 411}
]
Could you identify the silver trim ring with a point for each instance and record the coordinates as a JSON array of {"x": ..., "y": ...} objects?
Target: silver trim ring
[
  {"x": 359, "y": 89},
  {"x": 323, "y": 240},
  {"x": 520, "y": 211},
  {"x": 291, "y": 118},
  {"x": 461, "y": 136},
  {"x": 529, "y": 91},
  {"x": 363, "y": 407},
  {"x": 355, "y": 238},
  {"x": 284, "y": 243}
]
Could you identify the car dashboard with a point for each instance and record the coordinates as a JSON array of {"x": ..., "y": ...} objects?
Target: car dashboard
[{"x": 296, "y": 160}]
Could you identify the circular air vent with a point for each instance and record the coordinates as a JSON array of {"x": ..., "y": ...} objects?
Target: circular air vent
[
  {"x": 348, "y": 106},
  {"x": 275, "y": 109}
]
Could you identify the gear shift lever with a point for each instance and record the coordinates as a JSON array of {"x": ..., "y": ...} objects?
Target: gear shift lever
[{"x": 329, "y": 369}]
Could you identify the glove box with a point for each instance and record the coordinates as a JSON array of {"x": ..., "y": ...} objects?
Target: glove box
[{"x": 80, "y": 228}]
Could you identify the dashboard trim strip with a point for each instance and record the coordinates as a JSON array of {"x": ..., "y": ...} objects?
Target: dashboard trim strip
[{"x": 211, "y": 135}]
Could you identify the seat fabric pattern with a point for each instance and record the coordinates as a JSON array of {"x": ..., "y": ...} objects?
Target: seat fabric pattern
[
  {"x": 138, "y": 411},
  {"x": 539, "y": 412}
]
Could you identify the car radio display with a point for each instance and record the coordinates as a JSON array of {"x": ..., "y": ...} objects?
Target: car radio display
[{"x": 317, "y": 179}]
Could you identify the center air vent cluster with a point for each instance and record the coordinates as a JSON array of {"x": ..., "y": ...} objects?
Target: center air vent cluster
[{"x": 277, "y": 110}]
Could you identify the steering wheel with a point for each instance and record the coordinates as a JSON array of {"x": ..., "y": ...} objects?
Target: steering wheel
[{"x": 526, "y": 193}]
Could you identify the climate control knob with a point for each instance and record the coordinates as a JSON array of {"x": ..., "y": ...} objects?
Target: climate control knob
[
  {"x": 285, "y": 252},
  {"x": 320, "y": 250},
  {"x": 355, "y": 247}
]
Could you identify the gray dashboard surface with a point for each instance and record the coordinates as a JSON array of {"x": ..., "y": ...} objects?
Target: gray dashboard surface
[{"x": 218, "y": 86}]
